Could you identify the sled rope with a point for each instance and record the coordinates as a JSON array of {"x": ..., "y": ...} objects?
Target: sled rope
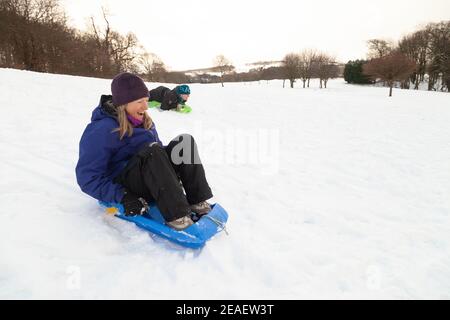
[{"x": 219, "y": 223}]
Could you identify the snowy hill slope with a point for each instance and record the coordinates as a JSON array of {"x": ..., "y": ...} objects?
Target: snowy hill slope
[{"x": 336, "y": 193}]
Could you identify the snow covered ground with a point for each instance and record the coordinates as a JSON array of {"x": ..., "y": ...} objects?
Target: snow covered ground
[{"x": 337, "y": 193}]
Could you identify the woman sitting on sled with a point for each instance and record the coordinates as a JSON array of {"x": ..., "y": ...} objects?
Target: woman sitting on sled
[{"x": 122, "y": 160}]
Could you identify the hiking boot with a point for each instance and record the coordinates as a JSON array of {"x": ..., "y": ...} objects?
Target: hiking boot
[
  {"x": 181, "y": 223},
  {"x": 201, "y": 208}
]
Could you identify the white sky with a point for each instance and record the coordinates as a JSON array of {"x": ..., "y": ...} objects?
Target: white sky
[{"x": 189, "y": 34}]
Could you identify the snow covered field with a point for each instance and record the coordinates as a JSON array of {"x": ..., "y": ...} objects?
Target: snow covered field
[{"x": 337, "y": 193}]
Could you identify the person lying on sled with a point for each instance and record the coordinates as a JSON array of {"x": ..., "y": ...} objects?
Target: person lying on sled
[
  {"x": 171, "y": 99},
  {"x": 122, "y": 160}
]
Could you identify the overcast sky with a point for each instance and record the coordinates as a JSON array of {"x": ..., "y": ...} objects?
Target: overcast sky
[{"x": 189, "y": 34}]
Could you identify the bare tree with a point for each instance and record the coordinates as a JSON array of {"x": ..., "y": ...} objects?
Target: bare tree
[
  {"x": 223, "y": 65},
  {"x": 439, "y": 54},
  {"x": 116, "y": 53},
  {"x": 34, "y": 35},
  {"x": 102, "y": 38},
  {"x": 415, "y": 46},
  {"x": 291, "y": 66},
  {"x": 26, "y": 28},
  {"x": 379, "y": 48},
  {"x": 307, "y": 58},
  {"x": 325, "y": 68},
  {"x": 390, "y": 68},
  {"x": 44, "y": 11},
  {"x": 153, "y": 67},
  {"x": 122, "y": 51}
]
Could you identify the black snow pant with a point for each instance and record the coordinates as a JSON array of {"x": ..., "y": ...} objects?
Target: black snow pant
[{"x": 159, "y": 175}]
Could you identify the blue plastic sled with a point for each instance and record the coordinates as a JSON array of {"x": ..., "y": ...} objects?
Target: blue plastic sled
[{"x": 194, "y": 236}]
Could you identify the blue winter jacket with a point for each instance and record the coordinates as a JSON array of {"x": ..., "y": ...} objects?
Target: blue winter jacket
[{"x": 103, "y": 155}]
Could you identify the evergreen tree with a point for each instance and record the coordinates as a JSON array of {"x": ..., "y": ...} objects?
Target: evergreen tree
[{"x": 353, "y": 73}]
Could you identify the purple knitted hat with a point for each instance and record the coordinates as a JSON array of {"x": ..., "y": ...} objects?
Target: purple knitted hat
[{"x": 127, "y": 87}]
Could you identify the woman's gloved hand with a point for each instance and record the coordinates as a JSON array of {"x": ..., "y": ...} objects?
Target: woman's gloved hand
[{"x": 133, "y": 205}]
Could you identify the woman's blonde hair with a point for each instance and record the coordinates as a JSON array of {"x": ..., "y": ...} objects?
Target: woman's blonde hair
[{"x": 125, "y": 127}]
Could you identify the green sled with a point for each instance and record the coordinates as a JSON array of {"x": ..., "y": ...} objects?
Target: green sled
[{"x": 155, "y": 104}]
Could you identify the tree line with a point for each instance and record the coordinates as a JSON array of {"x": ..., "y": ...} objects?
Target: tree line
[
  {"x": 420, "y": 57},
  {"x": 306, "y": 65},
  {"x": 309, "y": 64},
  {"x": 34, "y": 35}
]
